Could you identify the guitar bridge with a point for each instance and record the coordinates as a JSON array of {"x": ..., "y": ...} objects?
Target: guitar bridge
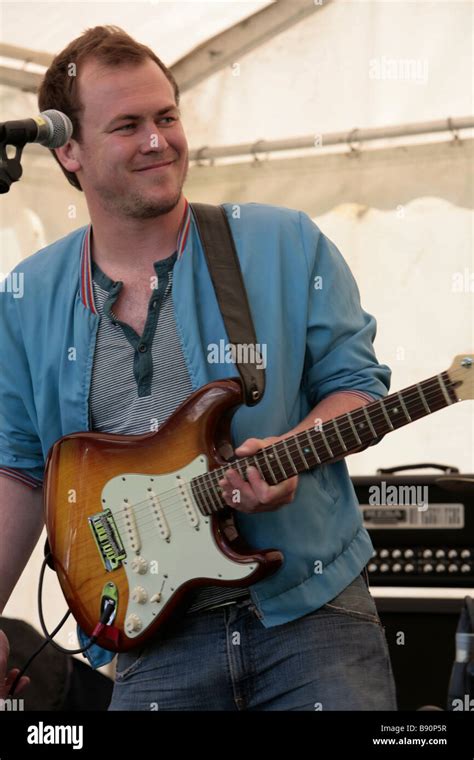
[{"x": 107, "y": 539}]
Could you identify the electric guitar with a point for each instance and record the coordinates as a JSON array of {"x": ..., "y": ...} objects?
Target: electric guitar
[{"x": 140, "y": 520}]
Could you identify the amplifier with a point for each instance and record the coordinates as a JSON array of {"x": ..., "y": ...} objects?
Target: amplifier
[{"x": 421, "y": 526}]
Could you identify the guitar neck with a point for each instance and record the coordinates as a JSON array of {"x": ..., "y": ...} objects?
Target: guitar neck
[{"x": 335, "y": 438}]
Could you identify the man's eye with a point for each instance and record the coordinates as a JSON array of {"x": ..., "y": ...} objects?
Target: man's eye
[
  {"x": 171, "y": 118},
  {"x": 125, "y": 126}
]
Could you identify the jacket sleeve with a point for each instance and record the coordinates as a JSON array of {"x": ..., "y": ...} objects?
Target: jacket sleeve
[
  {"x": 21, "y": 455},
  {"x": 339, "y": 342}
]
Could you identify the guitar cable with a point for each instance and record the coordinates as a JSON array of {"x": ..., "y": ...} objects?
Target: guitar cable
[{"x": 105, "y": 618}]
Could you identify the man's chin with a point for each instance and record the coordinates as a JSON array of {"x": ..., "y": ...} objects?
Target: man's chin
[{"x": 146, "y": 207}]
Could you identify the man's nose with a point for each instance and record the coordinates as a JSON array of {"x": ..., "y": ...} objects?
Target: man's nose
[{"x": 152, "y": 138}]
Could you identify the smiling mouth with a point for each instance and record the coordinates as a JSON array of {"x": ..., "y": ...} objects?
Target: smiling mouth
[{"x": 155, "y": 167}]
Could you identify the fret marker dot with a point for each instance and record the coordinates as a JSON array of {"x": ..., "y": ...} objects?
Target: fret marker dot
[
  {"x": 395, "y": 410},
  {"x": 306, "y": 451},
  {"x": 361, "y": 424}
]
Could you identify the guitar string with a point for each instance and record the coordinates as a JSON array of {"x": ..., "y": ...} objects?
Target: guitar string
[
  {"x": 183, "y": 519},
  {"x": 281, "y": 449},
  {"x": 167, "y": 502}
]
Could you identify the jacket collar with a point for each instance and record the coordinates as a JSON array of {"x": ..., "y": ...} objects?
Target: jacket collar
[{"x": 86, "y": 289}]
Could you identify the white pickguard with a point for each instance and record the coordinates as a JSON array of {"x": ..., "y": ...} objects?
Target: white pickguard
[{"x": 167, "y": 539}]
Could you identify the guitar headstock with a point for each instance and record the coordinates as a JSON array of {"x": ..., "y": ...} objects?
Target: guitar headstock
[{"x": 461, "y": 373}]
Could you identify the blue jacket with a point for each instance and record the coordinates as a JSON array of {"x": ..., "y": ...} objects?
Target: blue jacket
[{"x": 306, "y": 310}]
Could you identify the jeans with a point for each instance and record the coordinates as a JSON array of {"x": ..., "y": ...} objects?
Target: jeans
[{"x": 334, "y": 658}]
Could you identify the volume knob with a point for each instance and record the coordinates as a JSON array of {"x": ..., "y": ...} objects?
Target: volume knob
[
  {"x": 139, "y": 595},
  {"x": 139, "y": 565},
  {"x": 133, "y": 624}
]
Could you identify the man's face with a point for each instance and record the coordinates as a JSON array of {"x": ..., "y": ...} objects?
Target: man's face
[{"x": 123, "y": 133}]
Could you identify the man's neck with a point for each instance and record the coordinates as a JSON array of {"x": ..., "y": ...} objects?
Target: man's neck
[{"x": 131, "y": 244}]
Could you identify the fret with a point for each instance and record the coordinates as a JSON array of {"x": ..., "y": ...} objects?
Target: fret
[
  {"x": 348, "y": 415},
  {"x": 402, "y": 404},
  {"x": 333, "y": 438},
  {"x": 302, "y": 456},
  {"x": 238, "y": 464},
  {"x": 312, "y": 447},
  {"x": 278, "y": 461},
  {"x": 372, "y": 429},
  {"x": 444, "y": 389},
  {"x": 257, "y": 465},
  {"x": 423, "y": 400},
  {"x": 323, "y": 435},
  {"x": 364, "y": 430},
  {"x": 275, "y": 479},
  {"x": 283, "y": 459},
  {"x": 346, "y": 433},
  {"x": 290, "y": 459},
  {"x": 334, "y": 422},
  {"x": 389, "y": 421}
]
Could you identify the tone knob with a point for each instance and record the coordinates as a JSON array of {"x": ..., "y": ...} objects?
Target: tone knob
[
  {"x": 396, "y": 568},
  {"x": 440, "y": 568},
  {"x": 465, "y": 568},
  {"x": 466, "y": 553},
  {"x": 384, "y": 553},
  {"x": 440, "y": 553},
  {"x": 133, "y": 624},
  {"x": 409, "y": 567},
  {"x": 384, "y": 567},
  {"x": 427, "y": 568},
  {"x": 396, "y": 553},
  {"x": 452, "y": 553},
  {"x": 452, "y": 568},
  {"x": 139, "y": 565},
  {"x": 408, "y": 553},
  {"x": 139, "y": 595},
  {"x": 427, "y": 553}
]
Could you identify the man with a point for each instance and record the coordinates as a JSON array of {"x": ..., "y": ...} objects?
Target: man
[{"x": 131, "y": 301}]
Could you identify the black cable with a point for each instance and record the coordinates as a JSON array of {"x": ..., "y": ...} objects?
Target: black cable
[
  {"x": 104, "y": 618},
  {"x": 47, "y": 635},
  {"x": 35, "y": 654}
]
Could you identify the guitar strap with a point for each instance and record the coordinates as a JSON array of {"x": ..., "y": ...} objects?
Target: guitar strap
[{"x": 226, "y": 276}]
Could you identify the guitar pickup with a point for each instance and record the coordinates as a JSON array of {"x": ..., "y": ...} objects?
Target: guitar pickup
[{"x": 107, "y": 539}]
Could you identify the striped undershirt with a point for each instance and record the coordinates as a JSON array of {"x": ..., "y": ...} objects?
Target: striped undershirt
[{"x": 127, "y": 394}]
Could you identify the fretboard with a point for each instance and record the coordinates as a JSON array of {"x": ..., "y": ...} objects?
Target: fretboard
[{"x": 335, "y": 438}]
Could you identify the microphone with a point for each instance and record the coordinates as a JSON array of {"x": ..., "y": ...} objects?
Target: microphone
[{"x": 51, "y": 128}]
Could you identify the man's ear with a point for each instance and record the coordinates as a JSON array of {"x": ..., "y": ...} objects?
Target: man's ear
[{"x": 67, "y": 155}]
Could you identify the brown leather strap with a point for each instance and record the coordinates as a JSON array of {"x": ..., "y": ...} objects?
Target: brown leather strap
[{"x": 226, "y": 276}]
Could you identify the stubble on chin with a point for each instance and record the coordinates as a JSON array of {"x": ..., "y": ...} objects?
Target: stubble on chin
[{"x": 138, "y": 206}]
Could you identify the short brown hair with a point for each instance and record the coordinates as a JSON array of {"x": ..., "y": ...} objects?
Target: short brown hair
[{"x": 111, "y": 46}]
